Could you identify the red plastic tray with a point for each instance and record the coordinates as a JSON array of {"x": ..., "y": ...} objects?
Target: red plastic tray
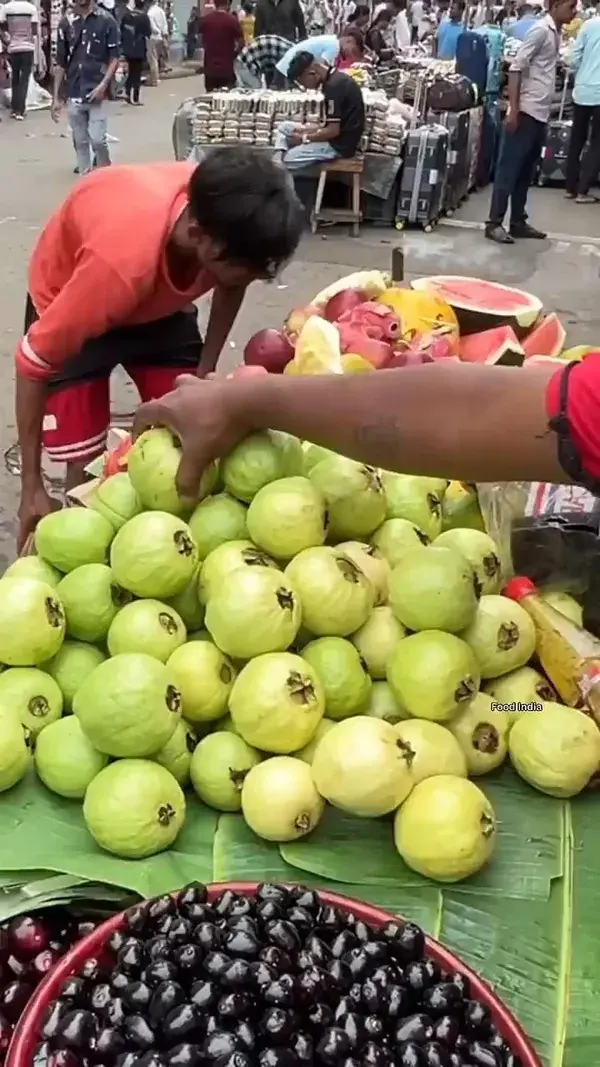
[{"x": 27, "y": 1030}]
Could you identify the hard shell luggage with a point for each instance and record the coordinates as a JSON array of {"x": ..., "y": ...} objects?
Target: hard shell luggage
[
  {"x": 423, "y": 177},
  {"x": 473, "y": 142},
  {"x": 457, "y": 177},
  {"x": 553, "y": 162},
  {"x": 472, "y": 60},
  {"x": 489, "y": 142}
]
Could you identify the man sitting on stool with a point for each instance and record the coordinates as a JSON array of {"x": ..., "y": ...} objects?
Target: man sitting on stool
[{"x": 299, "y": 147}]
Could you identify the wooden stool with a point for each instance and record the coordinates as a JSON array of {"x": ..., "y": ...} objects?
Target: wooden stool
[{"x": 354, "y": 167}]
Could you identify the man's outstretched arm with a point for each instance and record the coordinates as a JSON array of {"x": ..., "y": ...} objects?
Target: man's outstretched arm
[{"x": 467, "y": 422}]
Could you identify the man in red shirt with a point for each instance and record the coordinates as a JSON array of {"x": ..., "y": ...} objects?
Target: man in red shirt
[
  {"x": 111, "y": 281},
  {"x": 469, "y": 422},
  {"x": 222, "y": 39}
]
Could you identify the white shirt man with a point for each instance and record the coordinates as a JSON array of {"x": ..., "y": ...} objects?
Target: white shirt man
[
  {"x": 158, "y": 22},
  {"x": 19, "y": 23}
]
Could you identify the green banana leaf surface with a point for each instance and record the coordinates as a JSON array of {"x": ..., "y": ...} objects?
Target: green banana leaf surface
[{"x": 529, "y": 922}]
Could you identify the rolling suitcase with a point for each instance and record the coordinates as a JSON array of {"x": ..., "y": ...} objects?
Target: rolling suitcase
[
  {"x": 553, "y": 162},
  {"x": 472, "y": 60},
  {"x": 473, "y": 142},
  {"x": 457, "y": 176},
  {"x": 423, "y": 178},
  {"x": 489, "y": 142}
]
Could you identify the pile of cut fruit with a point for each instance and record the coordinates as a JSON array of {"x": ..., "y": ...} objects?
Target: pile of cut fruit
[{"x": 362, "y": 323}]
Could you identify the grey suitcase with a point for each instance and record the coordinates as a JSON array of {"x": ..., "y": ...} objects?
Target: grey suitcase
[{"x": 423, "y": 177}]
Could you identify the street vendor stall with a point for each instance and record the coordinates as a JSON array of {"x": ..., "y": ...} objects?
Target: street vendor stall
[{"x": 319, "y": 675}]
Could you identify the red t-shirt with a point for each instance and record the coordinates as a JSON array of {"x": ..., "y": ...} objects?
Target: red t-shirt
[
  {"x": 221, "y": 37},
  {"x": 582, "y": 412},
  {"x": 99, "y": 262}
]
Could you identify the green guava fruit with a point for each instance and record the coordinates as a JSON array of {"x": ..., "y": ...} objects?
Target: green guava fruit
[
  {"x": 65, "y": 759},
  {"x": 72, "y": 537},
  {"x": 71, "y": 666},
  {"x": 33, "y": 694},
  {"x": 154, "y": 555},
  {"x": 335, "y": 597},
  {"x": 287, "y": 516},
  {"x": 525, "y": 686},
  {"x": 433, "y": 589},
  {"x": 176, "y": 755},
  {"x": 225, "y": 559},
  {"x": 187, "y": 604},
  {"x": 308, "y": 752},
  {"x": 460, "y": 508},
  {"x": 32, "y": 622},
  {"x": 204, "y": 677},
  {"x": 501, "y": 634},
  {"x": 383, "y": 704},
  {"x": 566, "y": 604},
  {"x": 259, "y": 459},
  {"x": 342, "y": 674},
  {"x": 200, "y": 635},
  {"x": 152, "y": 464},
  {"x": 91, "y": 598},
  {"x": 219, "y": 765},
  {"x": 480, "y": 551},
  {"x": 146, "y": 626},
  {"x": 395, "y": 537},
  {"x": 354, "y": 496},
  {"x": 277, "y": 702},
  {"x": 432, "y": 674},
  {"x": 216, "y": 520},
  {"x": 556, "y": 750},
  {"x": 371, "y": 562},
  {"x": 313, "y": 454},
  {"x": 446, "y": 829},
  {"x": 129, "y": 705},
  {"x": 279, "y": 799},
  {"x": 116, "y": 499},
  {"x": 134, "y": 808},
  {"x": 410, "y": 497},
  {"x": 360, "y": 767},
  {"x": 33, "y": 567},
  {"x": 254, "y": 610},
  {"x": 15, "y": 754},
  {"x": 482, "y": 733},
  {"x": 430, "y": 749},
  {"x": 377, "y": 638}
]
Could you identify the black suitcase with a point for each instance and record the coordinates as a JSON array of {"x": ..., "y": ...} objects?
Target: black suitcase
[
  {"x": 553, "y": 161},
  {"x": 423, "y": 177},
  {"x": 457, "y": 177},
  {"x": 473, "y": 143}
]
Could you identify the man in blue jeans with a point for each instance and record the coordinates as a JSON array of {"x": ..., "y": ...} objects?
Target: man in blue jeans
[
  {"x": 531, "y": 85},
  {"x": 340, "y": 135},
  {"x": 87, "y": 58}
]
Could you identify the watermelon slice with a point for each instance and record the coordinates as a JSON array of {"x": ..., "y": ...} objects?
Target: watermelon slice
[
  {"x": 546, "y": 339},
  {"x": 481, "y": 305},
  {"x": 500, "y": 345}
]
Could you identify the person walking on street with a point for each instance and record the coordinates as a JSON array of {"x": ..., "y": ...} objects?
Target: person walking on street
[
  {"x": 531, "y": 86},
  {"x": 222, "y": 38},
  {"x": 192, "y": 34},
  {"x": 135, "y": 31},
  {"x": 87, "y": 57},
  {"x": 284, "y": 18},
  {"x": 19, "y": 29},
  {"x": 585, "y": 61},
  {"x": 157, "y": 42}
]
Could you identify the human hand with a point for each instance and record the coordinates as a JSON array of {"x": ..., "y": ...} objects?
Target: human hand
[
  {"x": 295, "y": 139},
  {"x": 511, "y": 121},
  {"x": 35, "y": 503},
  {"x": 55, "y": 110},
  {"x": 97, "y": 94},
  {"x": 204, "y": 416}
]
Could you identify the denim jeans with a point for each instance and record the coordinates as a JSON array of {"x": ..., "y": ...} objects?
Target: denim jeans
[
  {"x": 21, "y": 65},
  {"x": 515, "y": 169},
  {"x": 303, "y": 155},
  {"x": 88, "y": 123}
]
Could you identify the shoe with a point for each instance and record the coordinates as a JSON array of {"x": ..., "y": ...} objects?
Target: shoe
[
  {"x": 570, "y": 196},
  {"x": 523, "y": 229},
  {"x": 586, "y": 198},
  {"x": 496, "y": 232}
]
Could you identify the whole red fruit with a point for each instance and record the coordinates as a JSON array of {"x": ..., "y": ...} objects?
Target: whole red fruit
[
  {"x": 270, "y": 349},
  {"x": 27, "y": 937}
]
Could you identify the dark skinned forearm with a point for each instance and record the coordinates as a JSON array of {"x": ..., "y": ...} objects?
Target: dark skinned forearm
[
  {"x": 224, "y": 308},
  {"x": 30, "y": 408},
  {"x": 466, "y": 422},
  {"x": 514, "y": 91}
]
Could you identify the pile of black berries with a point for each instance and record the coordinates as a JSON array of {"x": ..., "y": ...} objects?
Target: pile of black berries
[{"x": 276, "y": 980}]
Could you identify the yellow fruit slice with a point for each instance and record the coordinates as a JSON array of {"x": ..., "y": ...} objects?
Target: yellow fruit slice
[
  {"x": 372, "y": 282},
  {"x": 317, "y": 348},
  {"x": 352, "y": 363}
]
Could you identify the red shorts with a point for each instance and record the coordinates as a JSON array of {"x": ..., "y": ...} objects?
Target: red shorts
[{"x": 78, "y": 407}]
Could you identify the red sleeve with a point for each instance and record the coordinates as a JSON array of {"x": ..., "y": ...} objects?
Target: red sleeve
[
  {"x": 581, "y": 410},
  {"x": 94, "y": 300}
]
